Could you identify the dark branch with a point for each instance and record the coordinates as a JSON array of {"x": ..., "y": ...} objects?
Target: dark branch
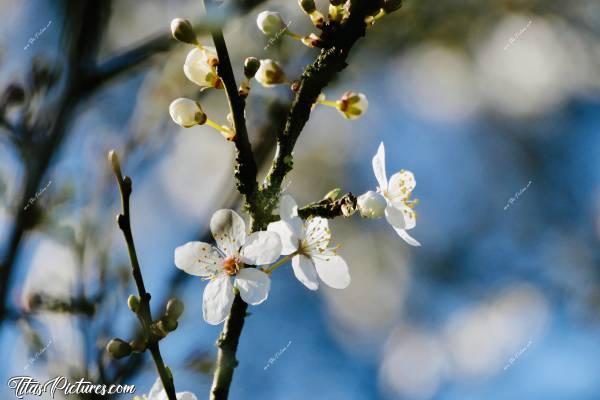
[
  {"x": 314, "y": 79},
  {"x": 245, "y": 169},
  {"x": 344, "y": 206}
]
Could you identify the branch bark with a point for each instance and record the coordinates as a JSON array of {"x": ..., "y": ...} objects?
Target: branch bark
[
  {"x": 245, "y": 170},
  {"x": 344, "y": 206}
]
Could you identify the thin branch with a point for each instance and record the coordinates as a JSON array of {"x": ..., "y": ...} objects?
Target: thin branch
[
  {"x": 228, "y": 343},
  {"x": 126, "y": 60},
  {"x": 246, "y": 170},
  {"x": 344, "y": 206},
  {"x": 314, "y": 79},
  {"x": 143, "y": 312}
]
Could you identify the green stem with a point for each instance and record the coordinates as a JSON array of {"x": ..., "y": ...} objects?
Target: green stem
[
  {"x": 329, "y": 103},
  {"x": 279, "y": 263},
  {"x": 292, "y": 34}
]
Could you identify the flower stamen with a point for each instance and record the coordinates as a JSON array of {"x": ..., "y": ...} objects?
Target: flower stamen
[{"x": 231, "y": 266}]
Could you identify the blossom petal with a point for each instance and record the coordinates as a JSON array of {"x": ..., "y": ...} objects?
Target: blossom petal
[
  {"x": 305, "y": 271},
  {"x": 229, "y": 231},
  {"x": 261, "y": 248},
  {"x": 395, "y": 216},
  {"x": 317, "y": 234},
  {"x": 332, "y": 270},
  {"x": 401, "y": 184},
  {"x": 379, "y": 167},
  {"x": 157, "y": 391},
  {"x": 408, "y": 215},
  {"x": 197, "y": 67},
  {"x": 217, "y": 299},
  {"x": 253, "y": 284},
  {"x": 198, "y": 258},
  {"x": 288, "y": 208},
  {"x": 186, "y": 396},
  {"x": 289, "y": 240},
  {"x": 407, "y": 238}
]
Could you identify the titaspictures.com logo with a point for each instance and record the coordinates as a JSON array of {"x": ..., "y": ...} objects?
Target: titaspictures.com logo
[{"x": 26, "y": 385}]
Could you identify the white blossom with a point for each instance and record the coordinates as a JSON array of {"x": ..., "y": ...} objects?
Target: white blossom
[
  {"x": 309, "y": 244},
  {"x": 157, "y": 392},
  {"x": 186, "y": 112},
  {"x": 371, "y": 204},
  {"x": 399, "y": 210},
  {"x": 200, "y": 67},
  {"x": 225, "y": 264},
  {"x": 270, "y": 23},
  {"x": 269, "y": 73}
]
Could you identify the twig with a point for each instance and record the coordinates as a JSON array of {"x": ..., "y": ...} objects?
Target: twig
[
  {"x": 227, "y": 344},
  {"x": 344, "y": 206},
  {"x": 313, "y": 80},
  {"x": 246, "y": 169},
  {"x": 143, "y": 312}
]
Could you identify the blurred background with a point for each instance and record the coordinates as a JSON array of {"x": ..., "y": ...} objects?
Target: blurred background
[{"x": 493, "y": 105}]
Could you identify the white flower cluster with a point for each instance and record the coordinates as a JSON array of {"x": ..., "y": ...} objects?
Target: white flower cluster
[
  {"x": 243, "y": 263},
  {"x": 200, "y": 67},
  {"x": 234, "y": 263}
]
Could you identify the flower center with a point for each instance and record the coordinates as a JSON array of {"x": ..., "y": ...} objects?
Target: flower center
[
  {"x": 231, "y": 265},
  {"x": 404, "y": 197}
]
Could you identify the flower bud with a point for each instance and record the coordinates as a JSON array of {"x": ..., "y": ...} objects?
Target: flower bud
[
  {"x": 391, "y": 5},
  {"x": 113, "y": 158},
  {"x": 166, "y": 325},
  {"x": 186, "y": 112},
  {"x": 269, "y": 73},
  {"x": 312, "y": 40},
  {"x": 199, "y": 67},
  {"x": 251, "y": 65},
  {"x": 118, "y": 348},
  {"x": 353, "y": 105},
  {"x": 138, "y": 345},
  {"x": 371, "y": 204},
  {"x": 317, "y": 19},
  {"x": 336, "y": 13},
  {"x": 182, "y": 30},
  {"x": 133, "y": 302},
  {"x": 308, "y": 6},
  {"x": 270, "y": 23},
  {"x": 174, "y": 308}
]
